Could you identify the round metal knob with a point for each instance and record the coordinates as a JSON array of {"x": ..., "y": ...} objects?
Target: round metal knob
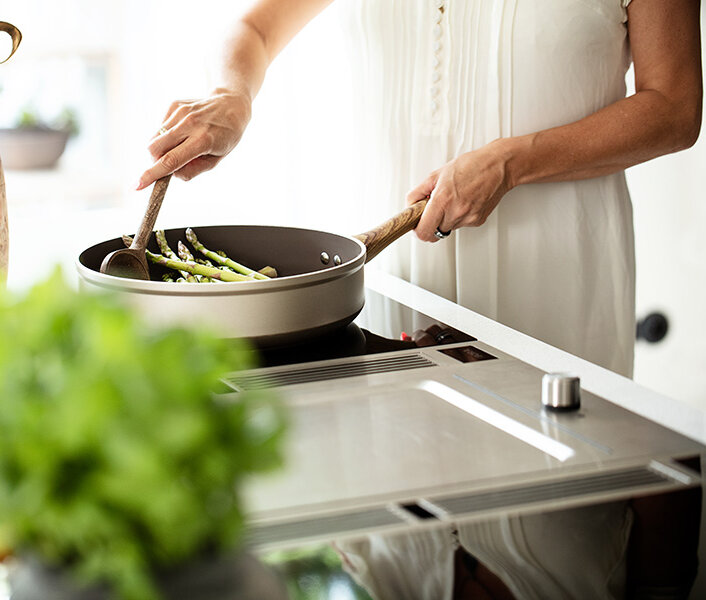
[{"x": 561, "y": 391}]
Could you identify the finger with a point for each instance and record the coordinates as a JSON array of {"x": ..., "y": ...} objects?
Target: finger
[
  {"x": 432, "y": 217},
  {"x": 174, "y": 106},
  {"x": 174, "y": 131},
  {"x": 197, "y": 166},
  {"x": 182, "y": 119},
  {"x": 172, "y": 161},
  {"x": 423, "y": 190},
  {"x": 161, "y": 144}
]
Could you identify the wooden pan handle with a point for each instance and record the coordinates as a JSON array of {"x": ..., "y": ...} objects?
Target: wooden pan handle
[{"x": 376, "y": 240}]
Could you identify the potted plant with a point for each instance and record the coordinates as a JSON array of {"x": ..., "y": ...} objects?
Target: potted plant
[
  {"x": 120, "y": 469},
  {"x": 34, "y": 143}
]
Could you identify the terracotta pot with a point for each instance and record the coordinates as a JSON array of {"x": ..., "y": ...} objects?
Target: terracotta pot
[{"x": 240, "y": 577}]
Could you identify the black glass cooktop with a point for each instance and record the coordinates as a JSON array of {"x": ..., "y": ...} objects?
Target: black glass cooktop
[{"x": 384, "y": 325}]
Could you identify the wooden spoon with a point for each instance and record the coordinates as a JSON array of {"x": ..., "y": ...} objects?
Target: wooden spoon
[{"x": 132, "y": 262}]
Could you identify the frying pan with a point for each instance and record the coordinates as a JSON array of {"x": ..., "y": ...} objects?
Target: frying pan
[{"x": 320, "y": 287}]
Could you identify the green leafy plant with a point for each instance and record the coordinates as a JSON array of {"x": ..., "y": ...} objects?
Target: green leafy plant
[{"x": 116, "y": 459}]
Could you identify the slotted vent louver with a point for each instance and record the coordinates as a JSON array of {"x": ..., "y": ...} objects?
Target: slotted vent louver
[
  {"x": 322, "y": 526},
  {"x": 556, "y": 490},
  {"x": 627, "y": 482},
  {"x": 352, "y": 368}
]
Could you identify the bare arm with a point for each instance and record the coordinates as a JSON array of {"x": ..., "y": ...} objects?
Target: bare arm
[
  {"x": 663, "y": 116},
  {"x": 196, "y": 135}
]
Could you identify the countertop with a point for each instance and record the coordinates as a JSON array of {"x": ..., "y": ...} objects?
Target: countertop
[{"x": 668, "y": 412}]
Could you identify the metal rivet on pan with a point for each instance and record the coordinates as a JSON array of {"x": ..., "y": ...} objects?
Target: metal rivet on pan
[
  {"x": 325, "y": 258},
  {"x": 336, "y": 259}
]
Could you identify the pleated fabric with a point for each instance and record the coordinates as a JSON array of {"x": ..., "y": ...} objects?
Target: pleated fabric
[{"x": 437, "y": 78}]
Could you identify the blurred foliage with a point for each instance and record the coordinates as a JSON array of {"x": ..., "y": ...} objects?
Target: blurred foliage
[
  {"x": 28, "y": 118},
  {"x": 66, "y": 120},
  {"x": 115, "y": 457},
  {"x": 314, "y": 573}
]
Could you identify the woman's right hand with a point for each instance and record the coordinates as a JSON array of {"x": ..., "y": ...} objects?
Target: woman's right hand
[{"x": 196, "y": 135}]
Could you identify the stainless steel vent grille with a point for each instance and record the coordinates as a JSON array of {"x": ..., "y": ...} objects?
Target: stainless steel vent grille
[
  {"x": 625, "y": 483},
  {"x": 555, "y": 490},
  {"x": 322, "y": 526},
  {"x": 350, "y": 368}
]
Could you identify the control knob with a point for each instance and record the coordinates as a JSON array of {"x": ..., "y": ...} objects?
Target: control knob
[{"x": 561, "y": 391}]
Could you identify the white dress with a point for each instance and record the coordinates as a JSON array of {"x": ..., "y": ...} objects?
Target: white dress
[
  {"x": 437, "y": 78},
  {"x": 555, "y": 260}
]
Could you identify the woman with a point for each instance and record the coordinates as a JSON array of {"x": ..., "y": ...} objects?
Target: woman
[
  {"x": 511, "y": 116},
  {"x": 489, "y": 97}
]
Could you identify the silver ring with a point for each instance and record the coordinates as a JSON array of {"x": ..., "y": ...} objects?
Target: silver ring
[{"x": 442, "y": 235}]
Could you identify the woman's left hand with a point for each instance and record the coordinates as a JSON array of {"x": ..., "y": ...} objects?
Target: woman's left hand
[{"x": 464, "y": 191}]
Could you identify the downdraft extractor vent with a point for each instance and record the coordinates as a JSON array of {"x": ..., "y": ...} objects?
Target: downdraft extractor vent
[
  {"x": 324, "y": 526},
  {"x": 577, "y": 487},
  {"x": 350, "y": 368},
  {"x": 397, "y": 517}
]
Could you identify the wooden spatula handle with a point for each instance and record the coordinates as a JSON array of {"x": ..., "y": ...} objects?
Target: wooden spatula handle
[
  {"x": 383, "y": 235},
  {"x": 153, "y": 206}
]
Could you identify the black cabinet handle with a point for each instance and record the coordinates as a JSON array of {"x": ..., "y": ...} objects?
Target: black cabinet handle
[{"x": 653, "y": 328}]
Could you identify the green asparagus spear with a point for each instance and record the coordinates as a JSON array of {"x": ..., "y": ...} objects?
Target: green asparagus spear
[
  {"x": 185, "y": 254},
  {"x": 190, "y": 267},
  {"x": 197, "y": 269},
  {"x": 214, "y": 256},
  {"x": 169, "y": 253}
]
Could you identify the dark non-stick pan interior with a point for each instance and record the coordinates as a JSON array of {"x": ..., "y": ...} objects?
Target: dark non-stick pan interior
[{"x": 291, "y": 251}]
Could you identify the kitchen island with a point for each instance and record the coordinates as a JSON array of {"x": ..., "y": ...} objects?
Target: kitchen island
[{"x": 392, "y": 440}]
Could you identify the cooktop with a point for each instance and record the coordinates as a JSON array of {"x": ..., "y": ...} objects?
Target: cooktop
[{"x": 373, "y": 333}]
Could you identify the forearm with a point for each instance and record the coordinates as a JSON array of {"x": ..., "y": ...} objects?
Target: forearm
[
  {"x": 258, "y": 37},
  {"x": 662, "y": 117},
  {"x": 245, "y": 61},
  {"x": 623, "y": 134}
]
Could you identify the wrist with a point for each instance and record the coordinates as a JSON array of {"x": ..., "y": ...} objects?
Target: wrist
[
  {"x": 514, "y": 153},
  {"x": 238, "y": 92}
]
